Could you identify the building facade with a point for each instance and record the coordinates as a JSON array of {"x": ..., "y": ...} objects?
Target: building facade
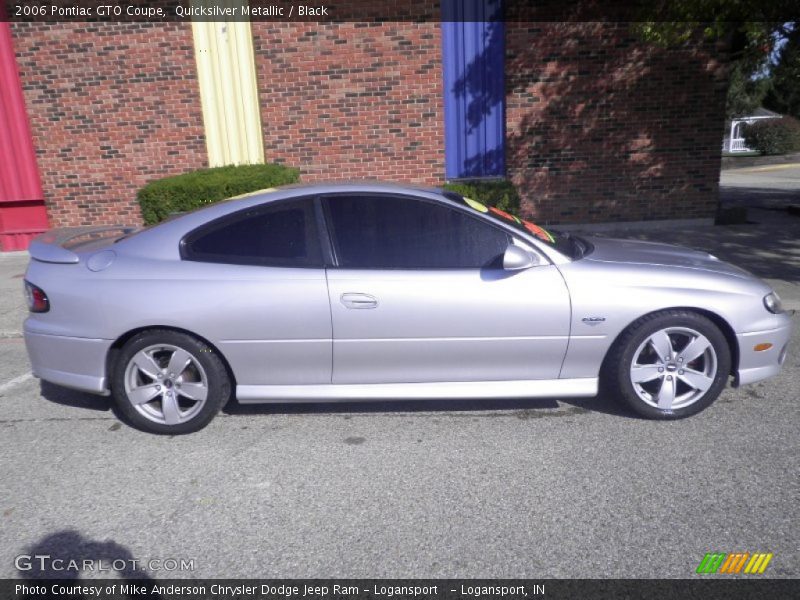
[{"x": 588, "y": 121}]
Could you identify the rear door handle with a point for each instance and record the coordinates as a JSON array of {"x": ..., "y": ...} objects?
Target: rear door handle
[{"x": 354, "y": 300}]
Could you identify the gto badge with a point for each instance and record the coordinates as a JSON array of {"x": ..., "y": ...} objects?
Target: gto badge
[{"x": 593, "y": 320}]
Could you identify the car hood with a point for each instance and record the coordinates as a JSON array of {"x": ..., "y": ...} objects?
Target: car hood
[{"x": 635, "y": 252}]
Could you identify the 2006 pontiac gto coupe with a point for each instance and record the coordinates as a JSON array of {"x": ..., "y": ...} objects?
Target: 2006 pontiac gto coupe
[{"x": 359, "y": 291}]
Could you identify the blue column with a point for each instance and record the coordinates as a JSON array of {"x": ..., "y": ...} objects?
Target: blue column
[{"x": 473, "y": 58}]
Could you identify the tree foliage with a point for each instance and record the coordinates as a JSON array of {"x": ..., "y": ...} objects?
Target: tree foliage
[
  {"x": 774, "y": 136},
  {"x": 784, "y": 95},
  {"x": 748, "y": 31},
  {"x": 745, "y": 92}
]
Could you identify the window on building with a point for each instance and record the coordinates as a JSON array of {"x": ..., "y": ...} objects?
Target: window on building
[{"x": 473, "y": 57}]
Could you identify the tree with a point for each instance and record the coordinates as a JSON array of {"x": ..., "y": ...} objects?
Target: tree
[
  {"x": 784, "y": 95},
  {"x": 746, "y": 92},
  {"x": 747, "y": 30}
]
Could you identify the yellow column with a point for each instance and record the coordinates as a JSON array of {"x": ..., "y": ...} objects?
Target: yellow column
[{"x": 228, "y": 90}]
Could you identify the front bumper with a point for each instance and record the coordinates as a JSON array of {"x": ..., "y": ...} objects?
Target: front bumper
[
  {"x": 73, "y": 362},
  {"x": 755, "y": 366}
]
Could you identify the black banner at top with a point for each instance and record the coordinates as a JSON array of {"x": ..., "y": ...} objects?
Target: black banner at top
[{"x": 154, "y": 11}]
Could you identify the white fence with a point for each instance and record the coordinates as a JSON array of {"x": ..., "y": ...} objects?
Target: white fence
[
  {"x": 737, "y": 145},
  {"x": 735, "y": 142}
]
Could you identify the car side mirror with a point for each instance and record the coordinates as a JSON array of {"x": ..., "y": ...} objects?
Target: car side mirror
[{"x": 517, "y": 259}]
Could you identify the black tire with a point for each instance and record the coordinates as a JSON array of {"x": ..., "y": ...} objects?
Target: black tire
[
  {"x": 211, "y": 375},
  {"x": 616, "y": 373}
]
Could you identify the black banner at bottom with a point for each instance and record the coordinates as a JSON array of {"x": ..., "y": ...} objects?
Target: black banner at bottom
[{"x": 393, "y": 589}]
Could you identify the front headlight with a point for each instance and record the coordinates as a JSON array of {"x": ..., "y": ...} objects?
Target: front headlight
[{"x": 772, "y": 302}]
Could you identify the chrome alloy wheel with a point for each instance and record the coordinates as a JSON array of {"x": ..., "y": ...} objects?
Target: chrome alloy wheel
[
  {"x": 673, "y": 368},
  {"x": 166, "y": 384}
]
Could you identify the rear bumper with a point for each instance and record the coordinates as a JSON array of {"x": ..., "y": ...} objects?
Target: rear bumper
[
  {"x": 755, "y": 366},
  {"x": 77, "y": 363}
]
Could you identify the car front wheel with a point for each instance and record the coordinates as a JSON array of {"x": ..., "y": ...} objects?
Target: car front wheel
[
  {"x": 169, "y": 382},
  {"x": 670, "y": 364}
]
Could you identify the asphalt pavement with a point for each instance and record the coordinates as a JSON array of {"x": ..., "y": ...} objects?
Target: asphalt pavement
[
  {"x": 538, "y": 488},
  {"x": 772, "y": 186}
]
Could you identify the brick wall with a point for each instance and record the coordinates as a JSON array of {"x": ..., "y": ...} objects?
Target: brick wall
[
  {"x": 111, "y": 106},
  {"x": 352, "y": 100},
  {"x": 601, "y": 127}
]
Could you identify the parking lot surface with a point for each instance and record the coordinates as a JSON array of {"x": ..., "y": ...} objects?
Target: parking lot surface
[
  {"x": 761, "y": 186},
  {"x": 539, "y": 488}
]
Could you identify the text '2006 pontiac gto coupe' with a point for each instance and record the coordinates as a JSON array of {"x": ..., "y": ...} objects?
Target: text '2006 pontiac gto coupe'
[{"x": 374, "y": 291}]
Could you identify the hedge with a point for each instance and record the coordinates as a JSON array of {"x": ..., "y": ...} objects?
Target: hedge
[
  {"x": 773, "y": 136},
  {"x": 493, "y": 192},
  {"x": 181, "y": 193}
]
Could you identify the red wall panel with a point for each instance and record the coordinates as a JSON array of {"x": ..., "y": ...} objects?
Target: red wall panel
[{"x": 22, "y": 211}]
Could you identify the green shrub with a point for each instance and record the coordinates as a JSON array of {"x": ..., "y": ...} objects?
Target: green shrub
[
  {"x": 162, "y": 197},
  {"x": 773, "y": 136},
  {"x": 493, "y": 192}
]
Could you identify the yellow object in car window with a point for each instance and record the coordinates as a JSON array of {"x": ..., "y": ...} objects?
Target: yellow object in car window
[{"x": 476, "y": 205}]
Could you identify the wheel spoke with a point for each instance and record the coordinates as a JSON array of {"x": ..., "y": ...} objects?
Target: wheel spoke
[
  {"x": 178, "y": 362},
  {"x": 666, "y": 395},
  {"x": 193, "y": 391},
  {"x": 695, "y": 348},
  {"x": 644, "y": 373},
  {"x": 169, "y": 407},
  {"x": 696, "y": 379},
  {"x": 145, "y": 363},
  {"x": 144, "y": 394},
  {"x": 662, "y": 345}
]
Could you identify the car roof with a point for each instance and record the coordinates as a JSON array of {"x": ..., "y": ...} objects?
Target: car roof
[
  {"x": 356, "y": 186},
  {"x": 311, "y": 189},
  {"x": 158, "y": 240},
  {"x": 161, "y": 241}
]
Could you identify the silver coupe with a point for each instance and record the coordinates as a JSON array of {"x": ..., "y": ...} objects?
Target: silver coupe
[{"x": 375, "y": 291}]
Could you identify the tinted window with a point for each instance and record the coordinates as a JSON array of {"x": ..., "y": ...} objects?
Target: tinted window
[
  {"x": 281, "y": 235},
  {"x": 389, "y": 232},
  {"x": 572, "y": 246}
]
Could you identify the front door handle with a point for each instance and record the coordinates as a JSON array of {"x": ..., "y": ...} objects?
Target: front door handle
[{"x": 353, "y": 300}]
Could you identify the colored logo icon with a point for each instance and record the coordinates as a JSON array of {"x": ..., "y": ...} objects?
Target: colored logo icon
[{"x": 735, "y": 563}]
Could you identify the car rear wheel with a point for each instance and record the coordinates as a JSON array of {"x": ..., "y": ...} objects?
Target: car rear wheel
[
  {"x": 169, "y": 382},
  {"x": 669, "y": 365}
]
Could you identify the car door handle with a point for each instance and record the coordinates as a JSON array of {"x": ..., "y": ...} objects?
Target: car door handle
[{"x": 352, "y": 300}]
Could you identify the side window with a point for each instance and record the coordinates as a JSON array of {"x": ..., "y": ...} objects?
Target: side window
[
  {"x": 390, "y": 232},
  {"x": 283, "y": 235}
]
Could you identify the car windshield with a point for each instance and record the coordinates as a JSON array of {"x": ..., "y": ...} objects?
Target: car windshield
[{"x": 564, "y": 242}]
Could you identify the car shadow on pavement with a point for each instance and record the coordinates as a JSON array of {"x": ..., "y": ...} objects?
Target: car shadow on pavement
[
  {"x": 547, "y": 406},
  {"x": 604, "y": 403},
  {"x": 68, "y": 397},
  {"x": 498, "y": 406}
]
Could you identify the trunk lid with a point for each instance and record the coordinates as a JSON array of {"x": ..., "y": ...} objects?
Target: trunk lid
[{"x": 63, "y": 245}]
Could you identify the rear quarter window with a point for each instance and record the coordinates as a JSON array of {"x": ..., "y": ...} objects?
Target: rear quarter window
[{"x": 283, "y": 235}]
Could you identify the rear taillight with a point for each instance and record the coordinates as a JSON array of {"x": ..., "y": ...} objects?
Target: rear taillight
[{"x": 37, "y": 299}]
